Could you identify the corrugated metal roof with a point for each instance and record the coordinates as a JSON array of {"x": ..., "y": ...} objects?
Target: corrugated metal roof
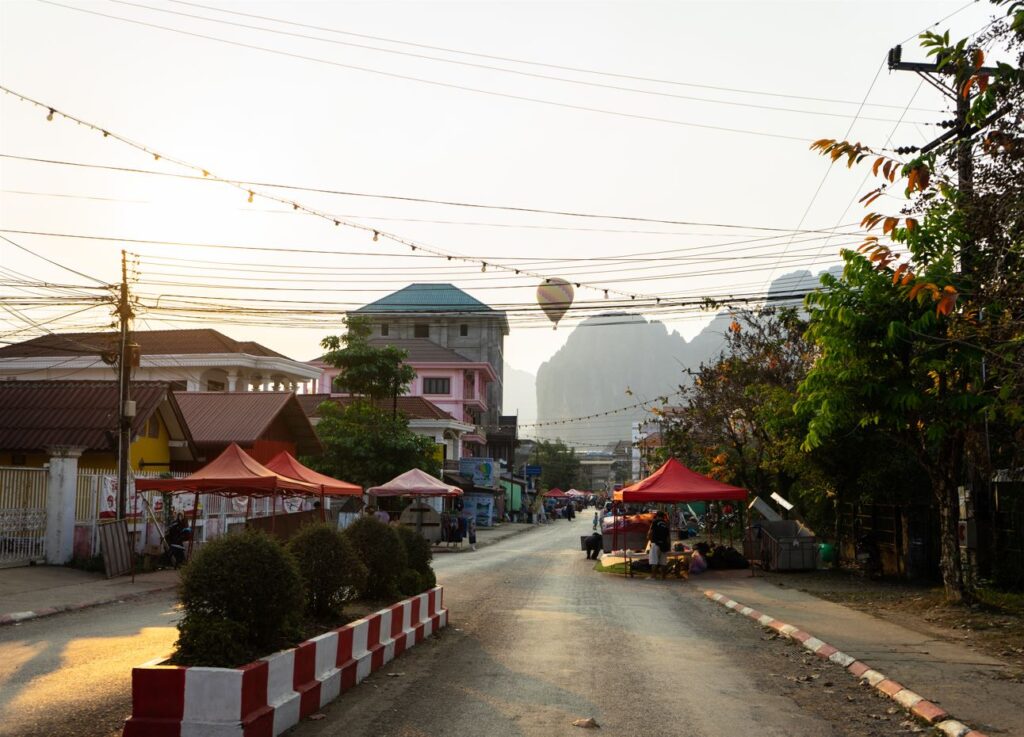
[
  {"x": 415, "y": 408},
  {"x": 151, "y": 343},
  {"x": 220, "y": 418},
  {"x": 35, "y": 415},
  {"x": 427, "y": 298}
]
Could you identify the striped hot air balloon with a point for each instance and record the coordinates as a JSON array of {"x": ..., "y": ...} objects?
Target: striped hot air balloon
[{"x": 554, "y": 297}]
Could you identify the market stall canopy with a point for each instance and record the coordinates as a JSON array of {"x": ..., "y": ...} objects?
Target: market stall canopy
[
  {"x": 233, "y": 473},
  {"x": 415, "y": 483},
  {"x": 576, "y": 493},
  {"x": 286, "y": 464},
  {"x": 555, "y": 493},
  {"x": 674, "y": 482}
]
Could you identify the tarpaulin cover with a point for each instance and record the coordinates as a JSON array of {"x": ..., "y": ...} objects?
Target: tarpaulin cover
[
  {"x": 415, "y": 483},
  {"x": 285, "y": 464},
  {"x": 556, "y": 493},
  {"x": 233, "y": 473},
  {"x": 674, "y": 482}
]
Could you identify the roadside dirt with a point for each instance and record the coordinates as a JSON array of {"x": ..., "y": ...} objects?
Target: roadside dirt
[{"x": 997, "y": 632}]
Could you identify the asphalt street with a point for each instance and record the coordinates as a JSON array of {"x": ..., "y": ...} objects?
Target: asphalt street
[
  {"x": 70, "y": 674},
  {"x": 537, "y": 640}
]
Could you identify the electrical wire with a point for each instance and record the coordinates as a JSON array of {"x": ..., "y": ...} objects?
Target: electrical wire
[
  {"x": 436, "y": 83},
  {"x": 490, "y": 67}
]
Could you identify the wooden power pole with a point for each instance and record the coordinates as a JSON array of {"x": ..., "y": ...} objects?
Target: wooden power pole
[{"x": 126, "y": 408}]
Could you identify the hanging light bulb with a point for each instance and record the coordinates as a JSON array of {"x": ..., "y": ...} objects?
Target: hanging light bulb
[
  {"x": 413, "y": 247},
  {"x": 606, "y": 294},
  {"x": 484, "y": 267},
  {"x": 250, "y": 196},
  {"x": 376, "y": 236},
  {"x": 337, "y": 222},
  {"x": 295, "y": 205},
  {"x": 50, "y": 114}
]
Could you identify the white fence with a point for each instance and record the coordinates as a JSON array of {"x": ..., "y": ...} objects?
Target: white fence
[{"x": 22, "y": 515}]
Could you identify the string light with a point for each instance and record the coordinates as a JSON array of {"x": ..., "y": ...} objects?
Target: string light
[
  {"x": 284, "y": 201},
  {"x": 484, "y": 266}
]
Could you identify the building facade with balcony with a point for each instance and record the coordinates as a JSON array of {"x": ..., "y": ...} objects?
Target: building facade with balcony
[
  {"x": 189, "y": 360},
  {"x": 449, "y": 381},
  {"x": 447, "y": 316}
]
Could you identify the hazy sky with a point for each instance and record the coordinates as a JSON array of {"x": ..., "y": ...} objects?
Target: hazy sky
[{"x": 255, "y": 115}]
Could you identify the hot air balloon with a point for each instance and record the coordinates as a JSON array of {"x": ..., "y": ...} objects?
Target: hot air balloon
[{"x": 555, "y": 296}]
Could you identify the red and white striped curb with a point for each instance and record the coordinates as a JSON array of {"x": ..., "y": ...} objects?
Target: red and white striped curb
[
  {"x": 18, "y": 617},
  {"x": 915, "y": 703},
  {"x": 271, "y": 695}
]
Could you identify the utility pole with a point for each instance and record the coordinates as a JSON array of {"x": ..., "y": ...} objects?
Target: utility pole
[
  {"x": 126, "y": 408},
  {"x": 959, "y": 129}
]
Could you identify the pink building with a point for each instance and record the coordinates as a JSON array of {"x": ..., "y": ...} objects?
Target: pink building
[{"x": 453, "y": 382}]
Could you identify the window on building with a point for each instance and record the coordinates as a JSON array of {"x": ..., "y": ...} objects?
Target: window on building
[
  {"x": 215, "y": 386},
  {"x": 421, "y": 330},
  {"x": 153, "y": 431},
  {"x": 437, "y": 385},
  {"x": 385, "y": 329},
  {"x": 463, "y": 330}
]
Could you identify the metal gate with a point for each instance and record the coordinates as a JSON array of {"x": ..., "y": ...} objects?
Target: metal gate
[{"x": 22, "y": 515}]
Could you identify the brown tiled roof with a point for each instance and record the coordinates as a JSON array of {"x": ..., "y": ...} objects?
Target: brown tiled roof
[
  {"x": 415, "y": 408},
  {"x": 220, "y": 418},
  {"x": 151, "y": 342},
  {"x": 37, "y": 414},
  {"x": 421, "y": 350}
]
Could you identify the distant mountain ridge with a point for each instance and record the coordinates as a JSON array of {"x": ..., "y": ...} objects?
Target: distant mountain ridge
[{"x": 607, "y": 355}]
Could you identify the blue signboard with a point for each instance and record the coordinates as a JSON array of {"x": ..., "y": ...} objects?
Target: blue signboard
[{"x": 532, "y": 471}]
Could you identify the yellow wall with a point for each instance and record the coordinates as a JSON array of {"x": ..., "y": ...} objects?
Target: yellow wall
[{"x": 151, "y": 450}]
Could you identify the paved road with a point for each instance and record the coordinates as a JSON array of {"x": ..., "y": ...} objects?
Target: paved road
[
  {"x": 70, "y": 674},
  {"x": 537, "y": 640}
]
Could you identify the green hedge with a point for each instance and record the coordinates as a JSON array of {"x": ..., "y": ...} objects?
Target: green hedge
[
  {"x": 330, "y": 568},
  {"x": 381, "y": 551},
  {"x": 243, "y": 598}
]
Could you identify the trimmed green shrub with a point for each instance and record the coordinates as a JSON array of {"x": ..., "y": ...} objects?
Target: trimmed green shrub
[
  {"x": 330, "y": 568},
  {"x": 243, "y": 597},
  {"x": 410, "y": 582},
  {"x": 381, "y": 551},
  {"x": 417, "y": 548},
  {"x": 427, "y": 580}
]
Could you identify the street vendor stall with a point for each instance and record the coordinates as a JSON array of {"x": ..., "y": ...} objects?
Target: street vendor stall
[
  {"x": 286, "y": 464},
  {"x": 233, "y": 473},
  {"x": 419, "y": 485},
  {"x": 673, "y": 483}
]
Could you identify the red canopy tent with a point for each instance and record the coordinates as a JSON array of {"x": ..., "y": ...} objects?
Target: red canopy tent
[
  {"x": 675, "y": 483},
  {"x": 233, "y": 473},
  {"x": 415, "y": 483},
  {"x": 286, "y": 464},
  {"x": 556, "y": 493}
]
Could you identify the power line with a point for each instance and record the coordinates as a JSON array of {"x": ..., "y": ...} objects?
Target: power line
[
  {"x": 447, "y": 85},
  {"x": 490, "y": 67},
  {"x": 564, "y": 68}
]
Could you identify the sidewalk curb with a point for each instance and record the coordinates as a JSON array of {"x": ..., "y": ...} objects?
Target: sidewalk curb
[
  {"x": 19, "y": 617},
  {"x": 916, "y": 704}
]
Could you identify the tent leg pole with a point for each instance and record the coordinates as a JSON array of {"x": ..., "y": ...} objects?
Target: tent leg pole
[
  {"x": 323, "y": 512},
  {"x": 195, "y": 513},
  {"x": 273, "y": 514}
]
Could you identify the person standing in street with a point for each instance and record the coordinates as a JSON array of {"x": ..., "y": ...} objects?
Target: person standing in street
[
  {"x": 659, "y": 535},
  {"x": 472, "y": 533},
  {"x": 596, "y": 520}
]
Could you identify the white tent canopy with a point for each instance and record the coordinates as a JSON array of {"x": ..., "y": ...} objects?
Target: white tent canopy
[{"x": 415, "y": 483}]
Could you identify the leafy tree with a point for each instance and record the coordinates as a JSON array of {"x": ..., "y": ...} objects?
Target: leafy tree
[
  {"x": 366, "y": 370},
  {"x": 559, "y": 465},
  {"x": 363, "y": 443},
  {"x": 921, "y": 337},
  {"x": 368, "y": 446}
]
